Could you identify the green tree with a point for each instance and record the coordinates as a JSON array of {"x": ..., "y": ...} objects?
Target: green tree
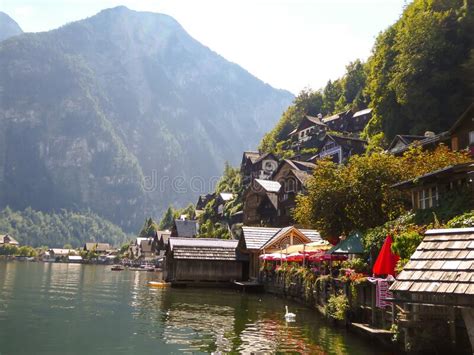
[
  {"x": 341, "y": 199},
  {"x": 417, "y": 72},
  {"x": 149, "y": 229},
  {"x": 168, "y": 219}
]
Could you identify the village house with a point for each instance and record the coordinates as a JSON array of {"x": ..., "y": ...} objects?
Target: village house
[
  {"x": 162, "y": 239},
  {"x": 100, "y": 248},
  {"x": 291, "y": 175},
  {"x": 185, "y": 228},
  {"x": 260, "y": 203},
  {"x": 339, "y": 148},
  {"x": 429, "y": 190},
  {"x": 462, "y": 132},
  {"x": 6, "y": 239},
  {"x": 308, "y": 128},
  {"x": 429, "y": 141},
  {"x": 257, "y": 166},
  {"x": 221, "y": 199},
  {"x": 202, "y": 201},
  {"x": 348, "y": 122},
  {"x": 255, "y": 241},
  {"x": 401, "y": 143},
  {"x": 203, "y": 261},
  {"x": 437, "y": 284},
  {"x": 143, "y": 248}
]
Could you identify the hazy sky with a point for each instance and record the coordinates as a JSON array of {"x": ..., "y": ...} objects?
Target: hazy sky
[{"x": 290, "y": 44}]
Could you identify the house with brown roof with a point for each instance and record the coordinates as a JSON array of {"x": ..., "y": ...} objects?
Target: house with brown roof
[
  {"x": 291, "y": 175},
  {"x": 339, "y": 148},
  {"x": 430, "y": 190},
  {"x": 256, "y": 165},
  {"x": 308, "y": 127},
  {"x": 255, "y": 241},
  {"x": 260, "y": 203},
  {"x": 462, "y": 132}
]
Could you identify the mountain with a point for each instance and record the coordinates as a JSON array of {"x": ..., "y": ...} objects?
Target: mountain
[
  {"x": 122, "y": 113},
  {"x": 8, "y": 27}
]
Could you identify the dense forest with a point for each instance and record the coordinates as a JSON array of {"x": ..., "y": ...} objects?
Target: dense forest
[
  {"x": 419, "y": 77},
  {"x": 37, "y": 228}
]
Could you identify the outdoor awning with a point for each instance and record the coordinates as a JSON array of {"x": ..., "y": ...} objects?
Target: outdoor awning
[
  {"x": 307, "y": 248},
  {"x": 351, "y": 245}
]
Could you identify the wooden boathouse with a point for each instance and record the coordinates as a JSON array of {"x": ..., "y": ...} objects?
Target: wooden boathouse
[
  {"x": 203, "y": 261},
  {"x": 437, "y": 284}
]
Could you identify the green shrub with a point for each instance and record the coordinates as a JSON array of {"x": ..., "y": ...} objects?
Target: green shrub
[
  {"x": 463, "y": 221},
  {"x": 337, "y": 306}
]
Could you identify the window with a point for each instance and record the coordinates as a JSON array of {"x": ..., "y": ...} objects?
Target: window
[
  {"x": 454, "y": 143},
  {"x": 426, "y": 198},
  {"x": 471, "y": 138}
]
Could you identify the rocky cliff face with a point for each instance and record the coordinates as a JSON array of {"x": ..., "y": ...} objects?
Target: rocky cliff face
[{"x": 106, "y": 113}]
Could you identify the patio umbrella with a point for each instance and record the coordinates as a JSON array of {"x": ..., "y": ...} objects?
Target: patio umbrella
[
  {"x": 387, "y": 260},
  {"x": 295, "y": 257}
]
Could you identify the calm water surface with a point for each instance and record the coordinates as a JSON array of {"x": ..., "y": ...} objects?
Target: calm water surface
[{"x": 85, "y": 309}]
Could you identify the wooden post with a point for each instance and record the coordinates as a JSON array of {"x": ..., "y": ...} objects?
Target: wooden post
[
  {"x": 372, "y": 303},
  {"x": 452, "y": 325}
]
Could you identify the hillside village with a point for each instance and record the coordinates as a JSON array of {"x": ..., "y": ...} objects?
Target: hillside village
[{"x": 261, "y": 243}]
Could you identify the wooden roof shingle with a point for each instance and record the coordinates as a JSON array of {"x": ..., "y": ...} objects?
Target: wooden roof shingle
[{"x": 442, "y": 265}]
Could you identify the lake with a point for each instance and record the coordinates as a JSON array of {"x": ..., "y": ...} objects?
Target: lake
[{"x": 51, "y": 308}]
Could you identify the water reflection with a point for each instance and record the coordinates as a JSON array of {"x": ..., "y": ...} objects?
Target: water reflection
[{"x": 92, "y": 310}]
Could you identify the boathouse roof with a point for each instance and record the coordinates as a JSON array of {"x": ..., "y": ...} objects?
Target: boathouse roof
[
  {"x": 203, "y": 248},
  {"x": 441, "y": 271}
]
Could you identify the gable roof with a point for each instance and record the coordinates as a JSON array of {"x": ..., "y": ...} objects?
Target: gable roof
[
  {"x": 10, "y": 239},
  {"x": 266, "y": 156},
  {"x": 269, "y": 185},
  {"x": 465, "y": 114},
  {"x": 464, "y": 168},
  {"x": 186, "y": 228},
  {"x": 302, "y": 176},
  {"x": 405, "y": 139},
  {"x": 226, "y": 196},
  {"x": 256, "y": 238},
  {"x": 362, "y": 112},
  {"x": 203, "y": 249},
  {"x": 442, "y": 265},
  {"x": 97, "y": 246},
  {"x": 252, "y": 155}
]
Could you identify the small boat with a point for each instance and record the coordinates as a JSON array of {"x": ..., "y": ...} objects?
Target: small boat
[
  {"x": 158, "y": 284},
  {"x": 117, "y": 268}
]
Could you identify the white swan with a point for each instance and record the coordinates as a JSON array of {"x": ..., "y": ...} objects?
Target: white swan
[{"x": 289, "y": 317}]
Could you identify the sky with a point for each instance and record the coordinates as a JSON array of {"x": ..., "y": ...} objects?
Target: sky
[{"x": 290, "y": 44}]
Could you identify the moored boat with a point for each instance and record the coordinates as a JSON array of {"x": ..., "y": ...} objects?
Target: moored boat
[
  {"x": 117, "y": 268},
  {"x": 158, "y": 284}
]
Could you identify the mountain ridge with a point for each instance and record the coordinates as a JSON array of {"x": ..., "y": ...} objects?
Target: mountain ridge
[
  {"x": 8, "y": 27},
  {"x": 109, "y": 105}
]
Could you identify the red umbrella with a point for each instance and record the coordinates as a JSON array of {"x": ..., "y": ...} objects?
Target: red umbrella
[{"x": 387, "y": 260}]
